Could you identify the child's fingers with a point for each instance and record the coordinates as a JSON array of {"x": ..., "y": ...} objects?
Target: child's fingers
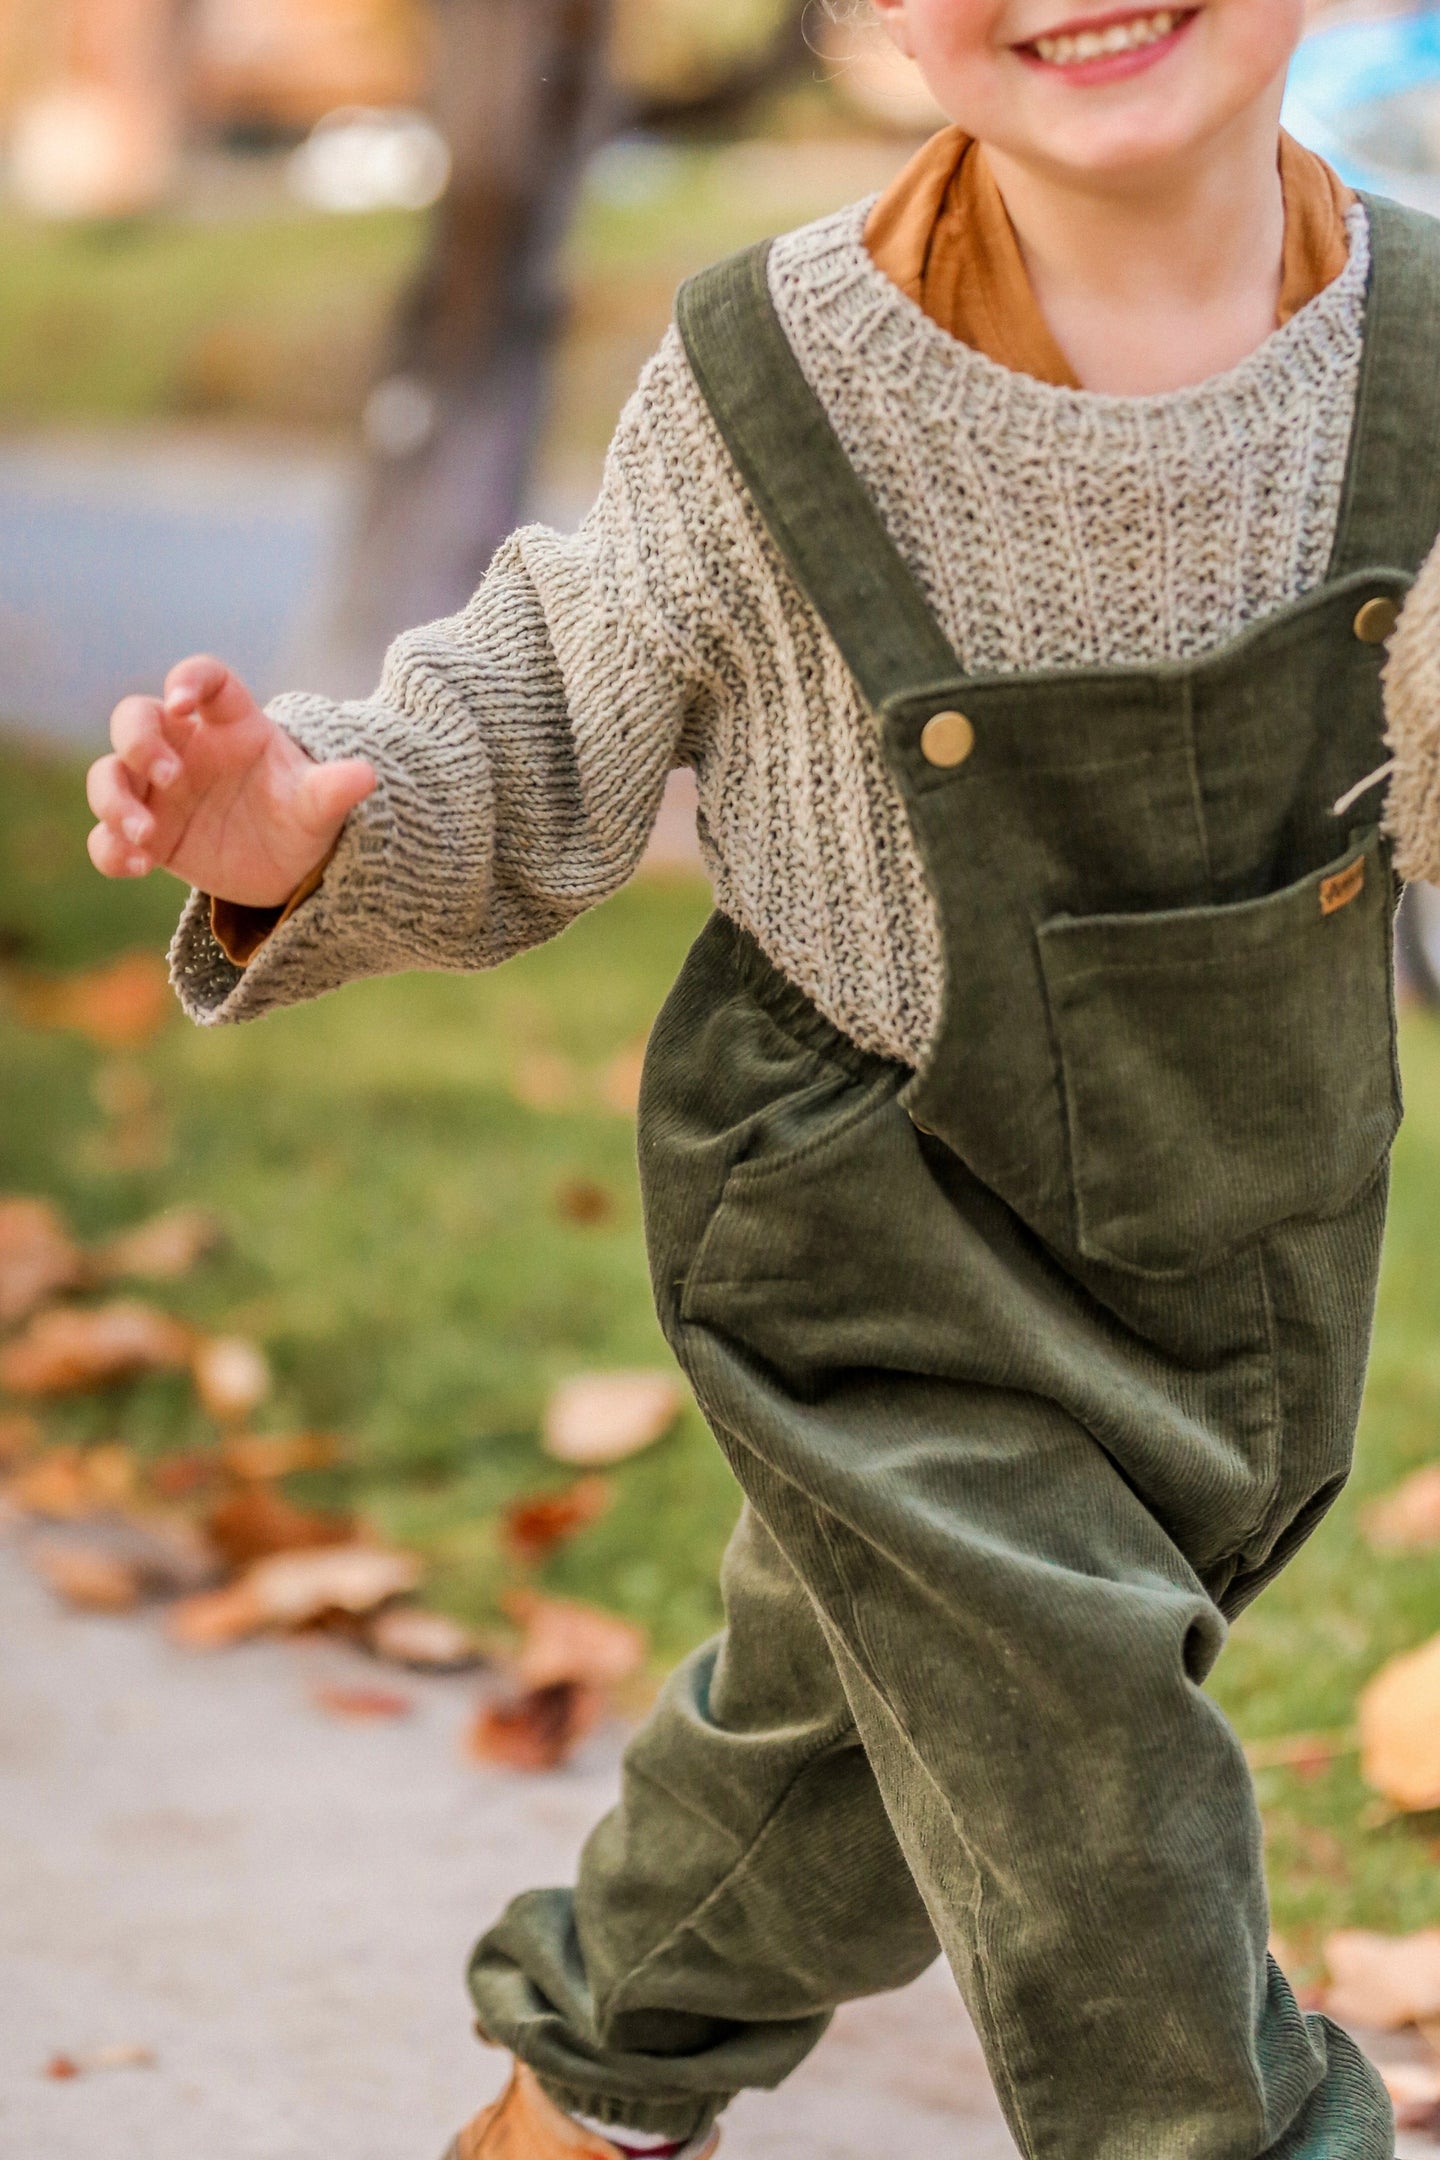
[
  {"x": 327, "y": 793},
  {"x": 137, "y": 730},
  {"x": 114, "y": 857},
  {"x": 206, "y": 686},
  {"x": 111, "y": 793}
]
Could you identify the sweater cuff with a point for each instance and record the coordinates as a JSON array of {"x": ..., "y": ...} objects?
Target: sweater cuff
[{"x": 241, "y": 931}]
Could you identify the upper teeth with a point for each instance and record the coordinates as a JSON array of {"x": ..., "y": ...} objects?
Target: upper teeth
[{"x": 1120, "y": 37}]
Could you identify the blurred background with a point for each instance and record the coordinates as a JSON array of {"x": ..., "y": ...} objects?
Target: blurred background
[{"x": 304, "y": 304}]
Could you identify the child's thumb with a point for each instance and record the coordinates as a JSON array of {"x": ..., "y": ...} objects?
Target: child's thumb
[{"x": 328, "y": 793}]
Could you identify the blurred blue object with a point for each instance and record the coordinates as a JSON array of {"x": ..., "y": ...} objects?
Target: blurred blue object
[{"x": 1365, "y": 93}]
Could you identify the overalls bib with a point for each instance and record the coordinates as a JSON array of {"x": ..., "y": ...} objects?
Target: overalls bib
[{"x": 1034, "y": 1366}]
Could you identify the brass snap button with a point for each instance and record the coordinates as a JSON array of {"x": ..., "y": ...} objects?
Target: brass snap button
[
  {"x": 947, "y": 739},
  {"x": 1375, "y": 621}
]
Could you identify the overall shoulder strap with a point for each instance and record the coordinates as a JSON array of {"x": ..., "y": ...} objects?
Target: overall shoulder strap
[
  {"x": 1390, "y": 512},
  {"x": 815, "y": 505}
]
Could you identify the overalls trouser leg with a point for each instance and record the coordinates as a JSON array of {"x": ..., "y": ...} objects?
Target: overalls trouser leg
[{"x": 1034, "y": 1367}]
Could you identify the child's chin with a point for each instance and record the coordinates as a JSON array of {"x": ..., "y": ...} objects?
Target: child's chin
[{"x": 1120, "y": 144}]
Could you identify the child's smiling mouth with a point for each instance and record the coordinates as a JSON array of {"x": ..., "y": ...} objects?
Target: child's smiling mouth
[{"x": 1103, "y": 48}]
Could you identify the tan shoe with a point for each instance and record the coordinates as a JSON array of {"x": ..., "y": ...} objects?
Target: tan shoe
[{"x": 525, "y": 2124}]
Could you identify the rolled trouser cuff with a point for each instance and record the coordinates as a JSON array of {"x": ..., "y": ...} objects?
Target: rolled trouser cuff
[{"x": 688, "y": 2119}]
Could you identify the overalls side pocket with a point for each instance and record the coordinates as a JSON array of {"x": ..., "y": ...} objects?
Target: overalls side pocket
[{"x": 1224, "y": 1069}]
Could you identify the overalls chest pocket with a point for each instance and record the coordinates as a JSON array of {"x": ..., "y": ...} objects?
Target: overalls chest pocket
[{"x": 1224, "y": 1070}]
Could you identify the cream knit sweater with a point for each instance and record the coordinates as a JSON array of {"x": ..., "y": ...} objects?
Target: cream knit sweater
[{"x": 522, "y": 745}]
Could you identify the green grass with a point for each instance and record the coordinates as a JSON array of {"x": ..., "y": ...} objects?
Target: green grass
[
  {"x": 275, "y": 319},
  {"x": 396, "y": 1237},
  {"x": 280, "y": 318},
  {"x": 396, "y": 1244}
]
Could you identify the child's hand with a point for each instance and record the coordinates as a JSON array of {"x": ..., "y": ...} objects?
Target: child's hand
[{"x": 202, "y": 783}]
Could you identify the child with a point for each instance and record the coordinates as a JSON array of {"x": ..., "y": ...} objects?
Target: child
[{"x": 1013, "y": 563}]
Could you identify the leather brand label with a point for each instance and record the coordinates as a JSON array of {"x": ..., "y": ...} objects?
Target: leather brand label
[{"x": 1338, "y": 891}]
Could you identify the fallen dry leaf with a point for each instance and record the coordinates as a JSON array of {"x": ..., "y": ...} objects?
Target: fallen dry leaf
[
  {"x": 584, "y": 1200},
  {"x": 161, "y": 1250},
  {"x": 363, "y": 1702},
  {"x": 1384, "y": 1981},
  {"x": 565, "y": 1640},
  {"x": 20, "y": 1436},
  {"x": 620, "y": 1081},
  {"x": 232, "y": 1377},
  {"x": 1408, "y": 1518},
  {"x": 38, "y": 1258},
  {"x": 71, "y": 1482},
  {"x": 542, "y": 1080},
  {"x": 191, "y": 1471},
  {"x": 252, "y": 1524},
  {"x": 600, "y": 1418},
  {"x": 298, "y": 1587},
  {"x": 88, "y": 1577},
  {"x": 424, "y": 1641},
  {"x": 72, "y": 1350},
  {"x": 533, "y": 1527},
  {"x": 104, "y": 2058},
  {"x": 294, "y": 1589},
  {"x": 1399, "y": 1720},
  {"x": 1304, "y": 1753},
  {"x": 122, "y": 2057},
  {"x": 116, "y": 1559},
  {"x": 215, "y": 1619},
  {"x": 119, "y": 1006},
  {"x": 267, "y": 1456},
  {"x": 537, "y": 1730}
]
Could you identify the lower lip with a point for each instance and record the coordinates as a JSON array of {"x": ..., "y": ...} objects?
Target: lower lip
[{"x": 1108, "y": 67}]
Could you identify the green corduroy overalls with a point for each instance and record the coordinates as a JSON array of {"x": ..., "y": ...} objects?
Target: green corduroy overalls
[{"x": 1034, "y": 1367}]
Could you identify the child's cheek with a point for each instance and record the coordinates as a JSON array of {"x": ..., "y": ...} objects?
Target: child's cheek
[{"x": 958, "y": 46}]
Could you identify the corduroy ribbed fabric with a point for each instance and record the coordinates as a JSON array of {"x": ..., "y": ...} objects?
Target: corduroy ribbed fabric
[{"x": 1034, "y": 1366}]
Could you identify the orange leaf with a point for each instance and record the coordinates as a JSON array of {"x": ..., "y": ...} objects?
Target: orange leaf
[
  {"x": 181, "y": 1476},
  {"x": 216, "y": 1618},
  {"x": 232, "y": 1377},
  {"x": 266, "y": 1456},
  {"x": 583, "y": 1200},
  {"x": 537, "y": 1730},
  {"x": 20, "y": 1435},
  {"x": 70, "y": 1351},
  {"x": 252, "y": 1524},
  {"x": 542, "y": 1080},
  {"x": 362, "y": 1702},
  {"x": 37, "y": 1258},
  {"x": 1399, "y": 1720},
  {"x": 160, "y": 1250},
  {"x": 293, "y": 1590},
  {"x": 61, "y": 2067},
  {"x": 600, "y": 1418},
  {"x": 70, "y": 1482},
  {"x": 531, "y": 1528},
  {"x": 426, "y": 1641},
  {"x": 620, "y": 1083},
  {"x": 567, "y": 1641},
  {"x": 119, "y": 1006},
  {"x": 1384, "y": 1981},
  {"x": 88, "y": 1577},
  {"x": 1408, "y": 1518}
]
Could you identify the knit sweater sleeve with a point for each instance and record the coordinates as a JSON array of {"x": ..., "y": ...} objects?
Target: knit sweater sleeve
[{"x": 521, "y": 749}]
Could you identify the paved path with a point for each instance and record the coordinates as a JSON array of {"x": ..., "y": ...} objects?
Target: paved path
[
  {"x": 120, "y": 553},
  {"x": 195, "y": 1860}
]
